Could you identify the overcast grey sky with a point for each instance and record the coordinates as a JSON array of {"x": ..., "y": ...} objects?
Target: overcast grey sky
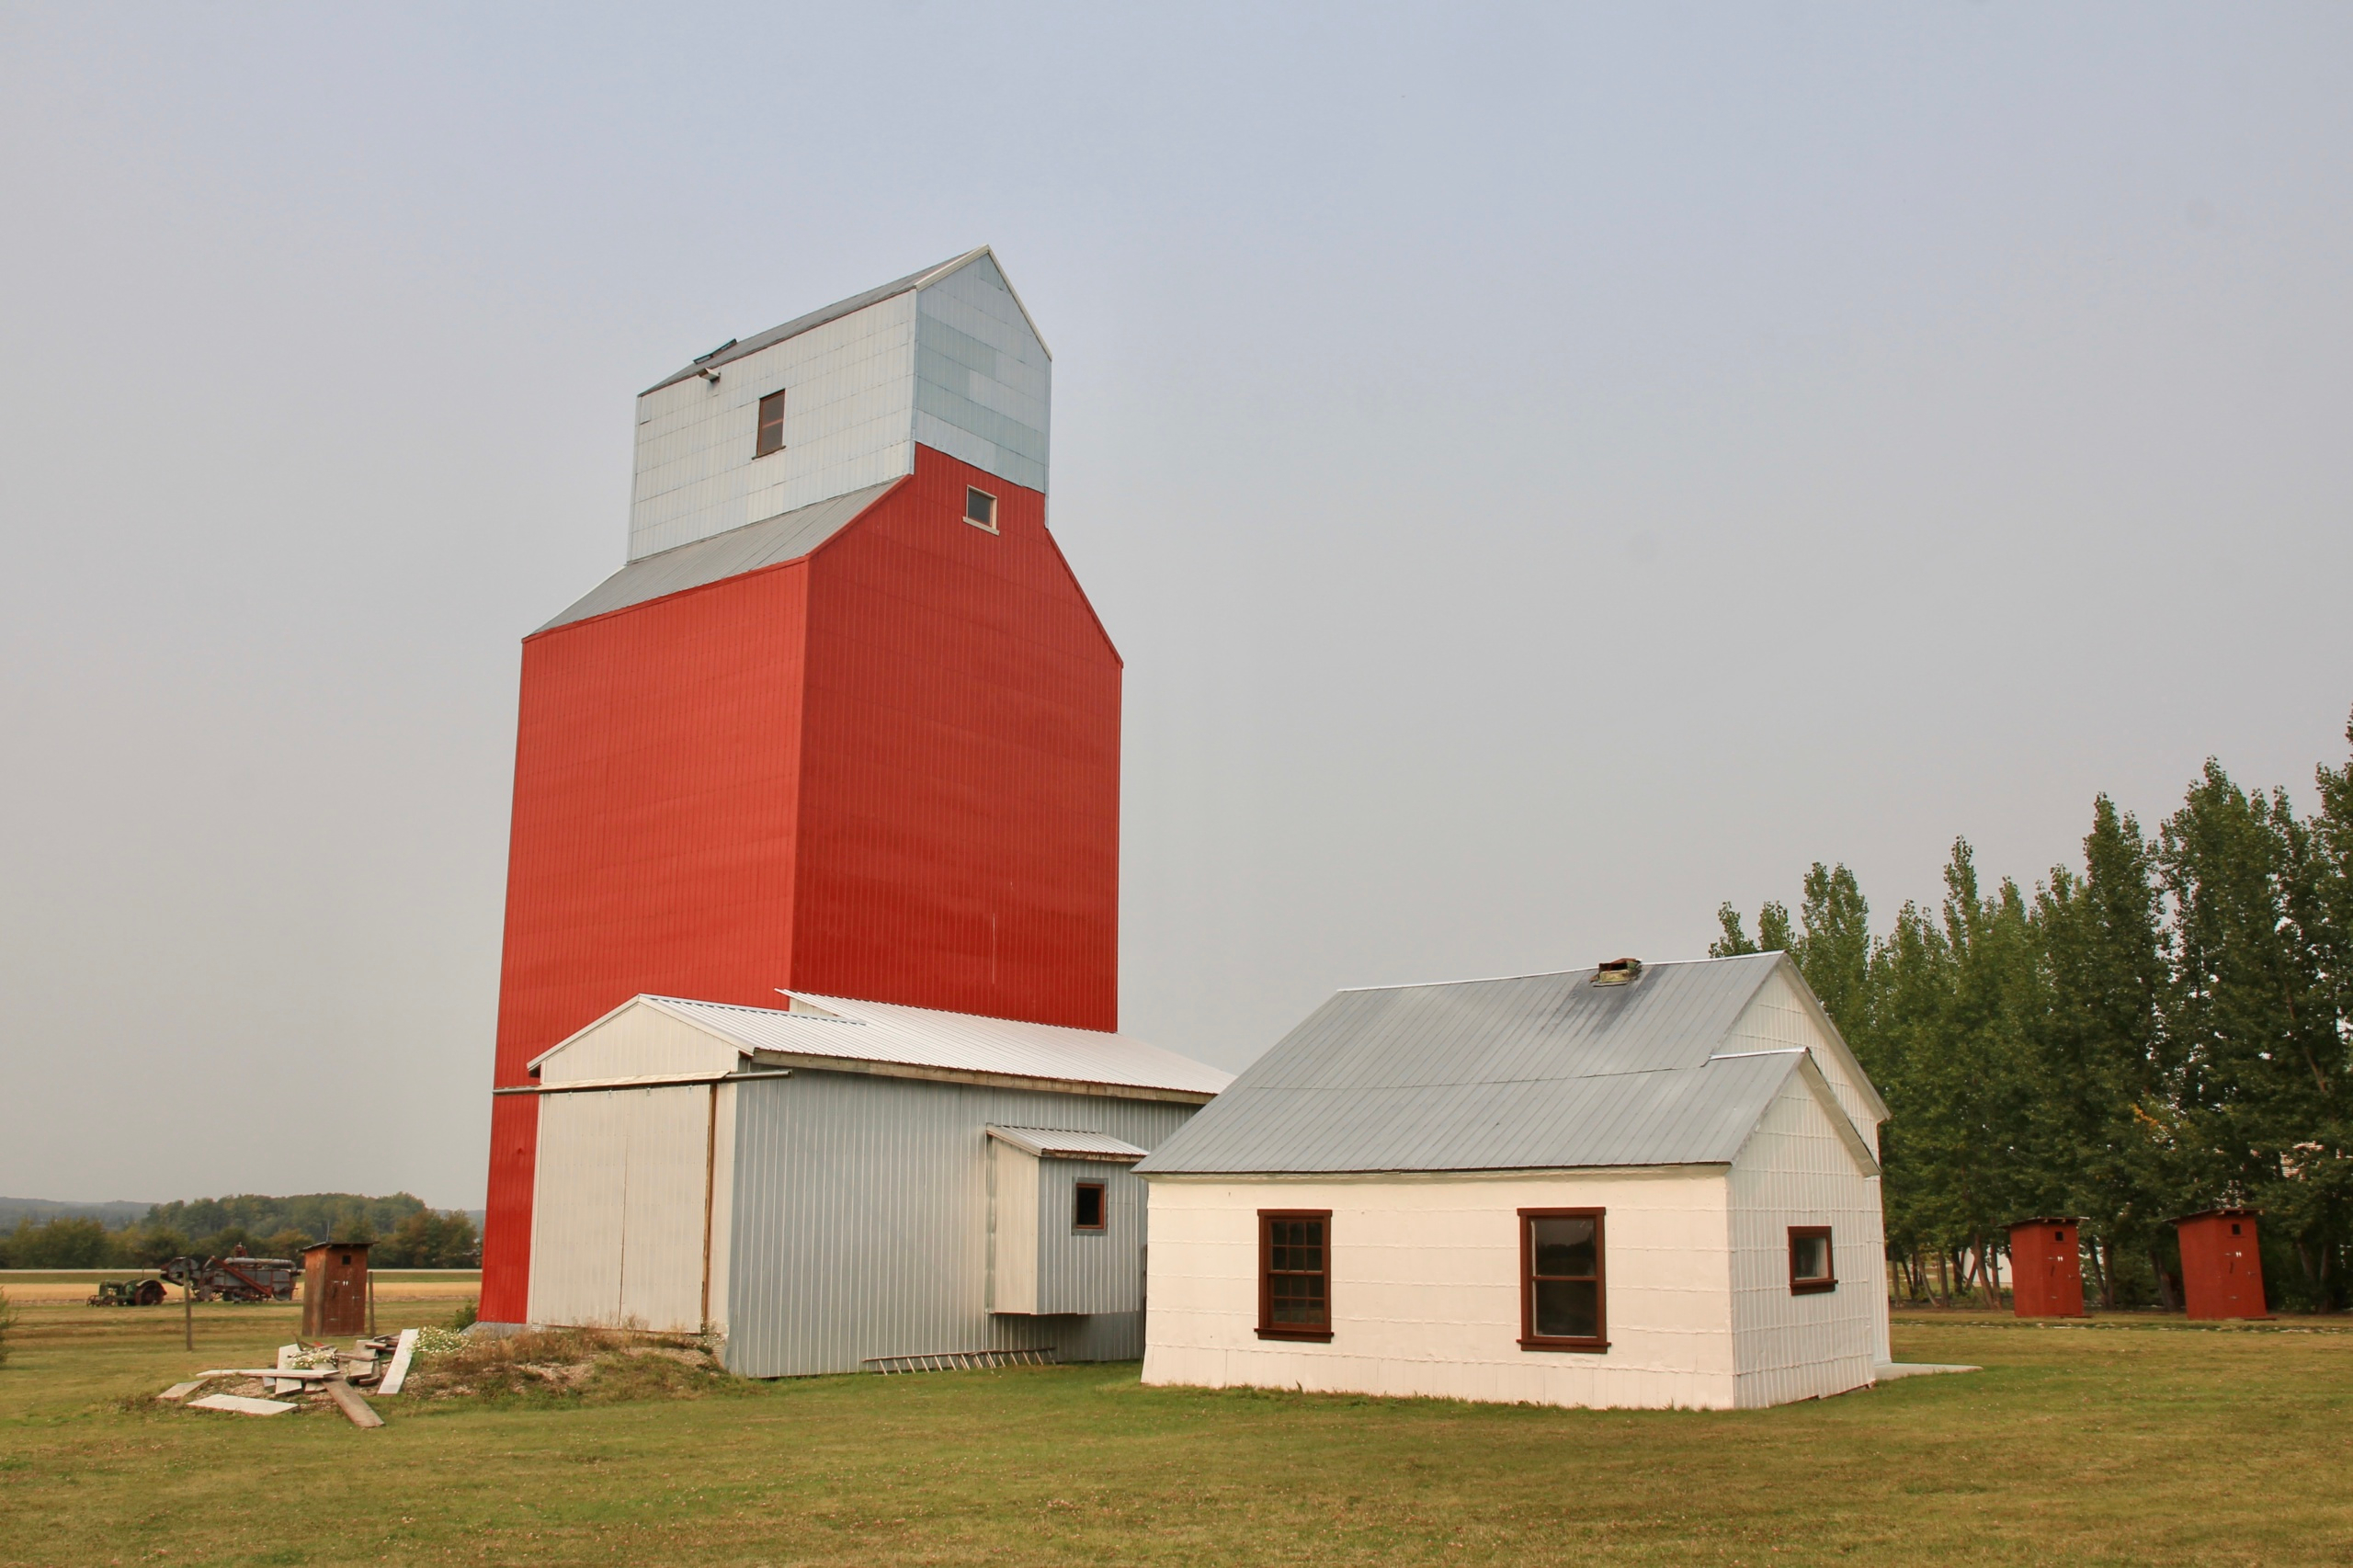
[{"x": 1549, "y": 469}]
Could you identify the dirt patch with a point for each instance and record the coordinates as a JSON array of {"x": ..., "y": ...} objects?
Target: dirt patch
[{"x": 585, "y": 1364}]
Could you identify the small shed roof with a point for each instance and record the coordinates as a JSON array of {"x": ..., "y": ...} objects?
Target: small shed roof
[
  {"x": 885, "y": 1038},
  {"x": 1534, "y": 1072},
  {"x": 1054, "y": 1144}
]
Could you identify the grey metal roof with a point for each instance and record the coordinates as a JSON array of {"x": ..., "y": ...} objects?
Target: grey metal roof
[
  {"x": 1538, "y": 1072},
  {"x": 921, "y": 1037},
  {"x": 787, "y": 536},
  {"x": 799, "y": 325},
  {"x": 1048, "y": 1143}
]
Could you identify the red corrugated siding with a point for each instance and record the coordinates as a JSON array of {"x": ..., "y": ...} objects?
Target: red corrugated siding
[
  {"x": 891, "y": 771},
  {"x": 961, "y": 793}
]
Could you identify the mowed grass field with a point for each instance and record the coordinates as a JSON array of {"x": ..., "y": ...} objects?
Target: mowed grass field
[{"x": 2131, "y": 1442}]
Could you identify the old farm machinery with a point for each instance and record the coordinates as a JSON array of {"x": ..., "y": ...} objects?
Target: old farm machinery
[{"x": 235, "y": 1279}]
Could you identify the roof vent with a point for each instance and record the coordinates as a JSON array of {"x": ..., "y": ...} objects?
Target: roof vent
[{"x": 1617, "y": 972}]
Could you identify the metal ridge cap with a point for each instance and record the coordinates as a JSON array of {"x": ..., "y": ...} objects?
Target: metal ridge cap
[{"x": 1536, "y": 974}]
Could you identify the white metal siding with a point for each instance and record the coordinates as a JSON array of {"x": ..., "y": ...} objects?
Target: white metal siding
[
  {"x": 638, "y": 1041},
  {"x": 984, "y": 383},
  {"x": 849, "y": 407},
  {"x": 1426, "y": 1289},
  {"x": 1796, "y": 1170},
  {"x": 1777, "y": 1018},
  {"x": 617, "y": 1213},
  {"x": 860, "y": 1220}
]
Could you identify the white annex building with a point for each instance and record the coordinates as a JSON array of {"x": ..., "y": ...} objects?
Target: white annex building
[
  {"x": 1629, "y": 1186},
  {"x": 840, "y": 1185}
]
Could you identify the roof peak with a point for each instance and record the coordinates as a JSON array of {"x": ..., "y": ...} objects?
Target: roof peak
[{"x": 1558, "y": 973}]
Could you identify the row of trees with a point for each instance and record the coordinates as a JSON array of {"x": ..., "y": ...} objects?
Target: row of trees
[
  {"x": 407, "y": 1233},
  {"x": 2167, "y": 1028}
]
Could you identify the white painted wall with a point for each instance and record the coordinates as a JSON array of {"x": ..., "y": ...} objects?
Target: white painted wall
[
  {"x": 618, "y": 1205},
  {"x": 1426, "y": 1289},
  {"x": 637, "y": 1042},
  {"x": 984, "y": 383},
  {"x": 1797, "y": 1170}
]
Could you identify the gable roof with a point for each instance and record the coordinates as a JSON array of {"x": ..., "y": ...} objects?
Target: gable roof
[
  {"x": 787, "y": 536},
  {"x": 842, "y": 1035},
  {"x": 840, "y": 308},
  {"x": 1536, "y": 1072}
]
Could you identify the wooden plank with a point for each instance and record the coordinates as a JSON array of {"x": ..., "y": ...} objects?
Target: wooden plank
[
  {"x": 286, "y": 1353},
  {"x": 239, "y": 1405},
  {"x": 397, "y": 1373},
  {"x": 181, "y": 1390},
  {"x": 348, "y": 1397}
]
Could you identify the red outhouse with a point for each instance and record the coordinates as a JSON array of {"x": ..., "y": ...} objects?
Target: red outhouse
[
  {"x": 2046, "y": 1269},
  {"x": 2221, "y": 1271}
]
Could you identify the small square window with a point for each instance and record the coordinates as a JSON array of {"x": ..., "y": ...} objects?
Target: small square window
[
  {"x": 980, "y": 509},
  {"x": 1086, "y": 1207},
  {"x": 1812, "y": 1268},
  {"x": 771, "y": 425}
]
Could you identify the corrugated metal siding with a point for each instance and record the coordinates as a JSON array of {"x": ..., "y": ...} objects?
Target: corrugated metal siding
[
  {"x": 1778, "y": 1018},
  {"x": 861, "y": 1220},
  {"x": 1089, "y": 1271},
  {"x": 1797, "y": 1171},
  {"x": 658, "y": 772},
  {"x": 619, "y": 1207},
  {"x": 962, "y": 793},
  {"x": 722, "y": 1207}
]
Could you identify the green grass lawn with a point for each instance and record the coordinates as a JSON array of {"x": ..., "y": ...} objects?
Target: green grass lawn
[{"x": 2131, "y": 1442}]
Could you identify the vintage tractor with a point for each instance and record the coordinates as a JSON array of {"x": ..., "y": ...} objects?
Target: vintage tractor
[
  {"x": 235, "y": 1278},
  {"x": 128, "y": 1293}
]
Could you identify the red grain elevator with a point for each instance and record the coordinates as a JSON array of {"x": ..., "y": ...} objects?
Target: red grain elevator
[
  {"x": 2046, "y": 1269},
  {"x": 845, "y": 722},
  {"x": 2222, "y": 1269}
]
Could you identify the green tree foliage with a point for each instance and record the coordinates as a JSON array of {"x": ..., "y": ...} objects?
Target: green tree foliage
[
  {"x": 427, "y": 1240},
  {"x": 2167, "y": 1028},
  {"x": 59, "y": 1244}
]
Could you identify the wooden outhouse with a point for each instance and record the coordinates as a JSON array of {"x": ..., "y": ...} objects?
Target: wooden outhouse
[
  {"x": 2046, "y": 1269},
  {"x": 2221, "y": 1270},
  {"x": 1626, "y": 1186},
  {"x": 334, "y": 1290}
]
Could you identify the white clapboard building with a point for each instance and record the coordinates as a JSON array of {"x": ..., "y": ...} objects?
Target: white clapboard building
[
  {"x": 1628, "y": 1185},
  {"x": 840, "y": 1185}
]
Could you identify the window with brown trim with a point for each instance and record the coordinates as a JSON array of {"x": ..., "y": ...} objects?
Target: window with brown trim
[
  {"x": 980, "y": 509},
  {"x": 1295, "y": 1274},
  {"x": 771, "y": 425},
  {"x": 1086, "y": 1207},
  {"x": 1564, "y": 1303},
  {"x": 1812, "y": 1266}
]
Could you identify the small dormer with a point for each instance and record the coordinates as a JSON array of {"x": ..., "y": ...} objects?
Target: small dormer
[{"x": 837, "y": 400}]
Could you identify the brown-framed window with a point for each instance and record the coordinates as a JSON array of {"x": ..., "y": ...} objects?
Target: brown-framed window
[
  {"x": 980, "y": 509},
  {"x": 1563, "y": 1298},
  {"x": 1087, "y": 1206},
  {"x": 771, "y": 425},
  {"x": 1812, "y": 1268},
  {"x": 1295, "y": 1274}
]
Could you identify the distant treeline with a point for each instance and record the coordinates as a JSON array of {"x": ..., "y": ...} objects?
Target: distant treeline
[
  {"x": 408, "y": 1234},
  {"x": 2167, "y": 1029}
]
